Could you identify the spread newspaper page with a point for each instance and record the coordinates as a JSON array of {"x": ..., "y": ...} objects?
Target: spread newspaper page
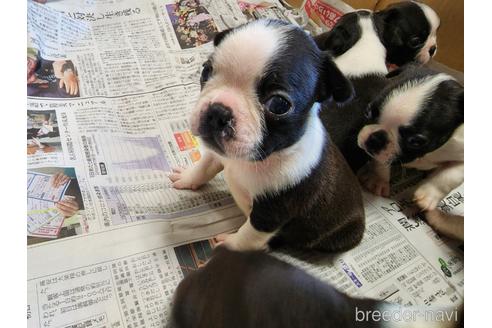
[{"x": 110, "y": 85}]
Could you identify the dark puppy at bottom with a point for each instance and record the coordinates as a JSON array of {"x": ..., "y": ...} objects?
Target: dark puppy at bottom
[{"x": 255, "y": 290}]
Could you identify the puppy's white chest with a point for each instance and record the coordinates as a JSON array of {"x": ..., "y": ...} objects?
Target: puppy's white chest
[
  {"x": 246, "y": 181},
  {"x": 240, "y": 190},
  {"x": 281, "y": 170}
]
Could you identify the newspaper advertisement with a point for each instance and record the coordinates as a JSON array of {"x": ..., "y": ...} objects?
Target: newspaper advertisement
[
  {"x": 110, "y": 85},
  {"x": 317, "y": 16}
]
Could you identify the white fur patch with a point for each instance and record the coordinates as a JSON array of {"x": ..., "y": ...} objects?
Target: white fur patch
[
  {"x": 431, "y": 16},
  {"x": 247, "y": 238},
  {"x": 404, "y": 103},
  {"x": 243, "y": 54},
  {"x": 368, "y": 55},
  {"x": 385, "y": 156},
  {"x": 281, "y": 169},
  {"x": 424, "y": 56}
]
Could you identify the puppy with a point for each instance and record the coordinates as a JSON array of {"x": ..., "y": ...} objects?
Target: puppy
[
  {"x": 361, "y": 51},
  {"x": 257, "y": 115},
  {"x": 416, "y": 121},
  {"x": 407, "y": 29},
  {"x": 253, "y": 289},
  {"x": 361, "y": 56}
]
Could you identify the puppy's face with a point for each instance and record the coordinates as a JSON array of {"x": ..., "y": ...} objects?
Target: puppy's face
[
  {"x": 258, "y": 88},
  {"x": 409, "y": 32},
  {"x": 415, "y": 115}
]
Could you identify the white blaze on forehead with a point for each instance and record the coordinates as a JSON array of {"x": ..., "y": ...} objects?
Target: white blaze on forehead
[
  {"x": 368, "y": 55},
  {"x": 244, "y": 53},
  {"x": 431, "y": 16},
  {"x": 403, "y": 104},
  {"x": 424, "y": 56}
]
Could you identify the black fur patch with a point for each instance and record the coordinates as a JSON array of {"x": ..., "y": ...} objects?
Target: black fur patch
[
  {"x": 256, "y": 290},
  {"x": 331, "y": 217},
  {"x": 342, "y": 37},
  {"x": 344, "y": 122}
]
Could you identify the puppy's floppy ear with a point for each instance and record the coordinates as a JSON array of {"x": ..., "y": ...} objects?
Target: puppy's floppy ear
[
  {"x": 220, "y": 36},
  {"x": 388, "y": 27},
  {"x": 332, "y": 82},
  {"x": 337, "y": 41}
]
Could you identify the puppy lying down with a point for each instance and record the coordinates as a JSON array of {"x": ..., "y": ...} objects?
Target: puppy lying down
[{"x": 253, "y": 289}]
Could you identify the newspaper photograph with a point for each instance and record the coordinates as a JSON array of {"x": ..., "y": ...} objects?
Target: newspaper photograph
[
  {"x": 55, "y": 208},
  {"x": 110, "y": 86}
]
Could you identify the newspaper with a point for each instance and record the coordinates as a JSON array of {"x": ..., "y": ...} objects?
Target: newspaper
[{"x": 110, "y": 86}]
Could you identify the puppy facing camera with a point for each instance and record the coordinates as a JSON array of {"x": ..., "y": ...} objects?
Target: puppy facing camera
[
  {"x": 257, "y": 116},
  {"x": 417, "y": 121}
]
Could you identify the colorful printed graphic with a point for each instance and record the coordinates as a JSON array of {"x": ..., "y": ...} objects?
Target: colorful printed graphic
[
  {"x": 192, "y": 23},
  {"x": 193, "y": 256}
]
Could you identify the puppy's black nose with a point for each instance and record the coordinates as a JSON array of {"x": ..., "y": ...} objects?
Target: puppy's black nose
[
  {"x": 217, "y": 121},
  {"x": 432, "y": 50},
  {"x": 376, "y": 142}
]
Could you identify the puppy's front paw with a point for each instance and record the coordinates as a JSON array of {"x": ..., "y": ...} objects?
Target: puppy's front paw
[
  {"x": 185, "y": 178},
  {"x": 427, "y": 197},
  {"x": 233, "y": 242},
  {"x": 374, "y": 183}
]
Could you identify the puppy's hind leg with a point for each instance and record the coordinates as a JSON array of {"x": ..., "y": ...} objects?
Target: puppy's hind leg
[
  {"x": 343, "y": 239},
  {"x": 375, "y": 178},
  {"x": 195, "y": 176},
  {"x": 247, "y": 238},
  {"x": 449, "y": 225},
  {"x": 440, "y": 182}
]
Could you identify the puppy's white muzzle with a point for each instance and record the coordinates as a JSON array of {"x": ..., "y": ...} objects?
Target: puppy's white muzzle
[
  {"x": 428, "y": 51},
  {"x": 225, "y": 118},
  {"x": 389, "y": 147}
]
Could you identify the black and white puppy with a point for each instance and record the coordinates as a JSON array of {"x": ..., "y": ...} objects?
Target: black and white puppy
[
  {"x": 416, "y": 121},
  {"x": 258, "y": 118},
  {"x": 360, "y": 56},
  {"x": 407, "y": 29},
  {"x": 253, "y": 289}
]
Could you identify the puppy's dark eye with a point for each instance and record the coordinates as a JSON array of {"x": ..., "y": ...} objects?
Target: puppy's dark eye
[
  {"x": 368, "y": 112},
  {"x": 206, "y": 72},
  {"x": 414, "y": 42},
  {"x": 371, "y": 112},
  {"x": 278, "y": 105},
  {"x": 417, "y": 141}
]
